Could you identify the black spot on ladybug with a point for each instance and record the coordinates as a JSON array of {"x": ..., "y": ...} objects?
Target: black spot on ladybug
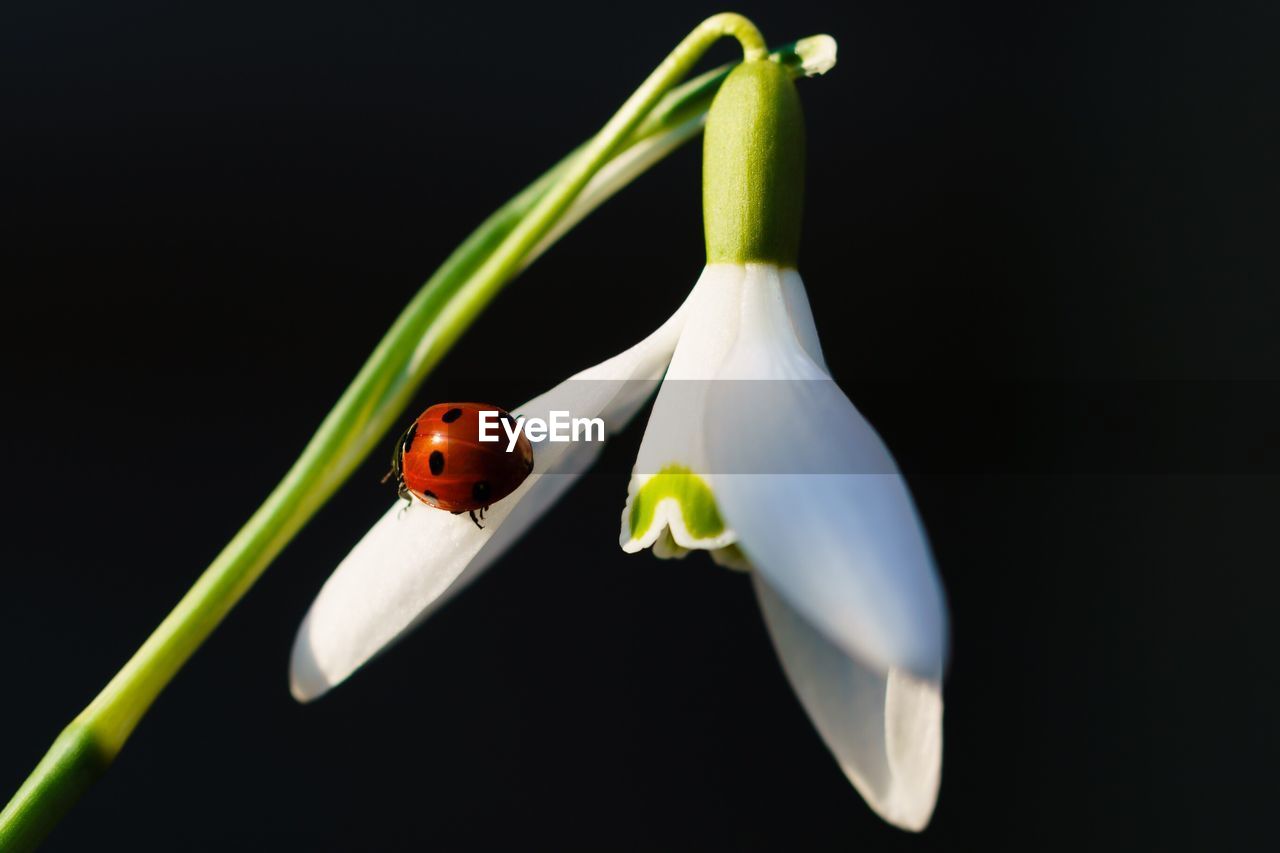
[
  {"x": 480, "y": 491},
  {"x": 430, "y": 498},
  {"x": 451, "y": 415},
  {"x": 409, "y": 435},
  {"x": 436, "y": 462}
]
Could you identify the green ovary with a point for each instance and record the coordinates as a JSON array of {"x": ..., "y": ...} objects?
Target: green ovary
[{"x": 697, "y": 503}]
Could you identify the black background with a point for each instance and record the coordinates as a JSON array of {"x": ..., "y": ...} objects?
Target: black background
[{"x": 211, "y": 212}]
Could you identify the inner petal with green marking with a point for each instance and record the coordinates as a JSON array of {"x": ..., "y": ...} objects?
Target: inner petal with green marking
[{"x": 675, "y": 500}]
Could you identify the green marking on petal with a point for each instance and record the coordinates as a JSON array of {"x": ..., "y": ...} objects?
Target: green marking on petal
[{"x": 691, "y": 492}]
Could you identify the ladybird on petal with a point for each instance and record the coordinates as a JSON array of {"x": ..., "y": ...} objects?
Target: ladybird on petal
[{"x": 441, "y": 461}]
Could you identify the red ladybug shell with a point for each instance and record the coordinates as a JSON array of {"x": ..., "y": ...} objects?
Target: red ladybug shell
[{"x": 441, "y": 461}]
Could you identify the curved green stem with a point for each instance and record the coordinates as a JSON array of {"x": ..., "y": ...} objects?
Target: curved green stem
[
  {"x": 506, "y": 260},
  {"x": 647, "y": 127}
]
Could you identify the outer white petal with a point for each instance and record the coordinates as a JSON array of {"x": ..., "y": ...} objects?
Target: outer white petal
[
  {"x": 885, "y": 730},
  {"x": 815, "y": 497},
  {"x": 675, "y": 431},
  {"x": 412, "y": 560}
]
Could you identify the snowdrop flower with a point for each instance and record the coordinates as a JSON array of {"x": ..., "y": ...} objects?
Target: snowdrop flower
[{"x": 751, "y": 453}]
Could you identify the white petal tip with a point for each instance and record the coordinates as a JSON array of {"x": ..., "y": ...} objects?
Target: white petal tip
[
  {"x": 307, "y": 679},
  {"x": 305, "y": 692},
  {"x": 883, "y": 728},
  {"x": 913, "y": 740},
  {"x": 817, "y": 55}
]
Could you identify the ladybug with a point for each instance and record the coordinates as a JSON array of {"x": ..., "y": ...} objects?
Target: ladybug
[{"x": 441, "y": 461}]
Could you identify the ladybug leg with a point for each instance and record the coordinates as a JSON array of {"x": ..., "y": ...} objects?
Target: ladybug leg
[
  {"x": 406, "y": 496},
  {"x": 477, "y": 520}
]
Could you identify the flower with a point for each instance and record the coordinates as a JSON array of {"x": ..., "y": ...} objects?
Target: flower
[
  {"x": 415, "y": 558},
  {"x": 751, "y": 452}
]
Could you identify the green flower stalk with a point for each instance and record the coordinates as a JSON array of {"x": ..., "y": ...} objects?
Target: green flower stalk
[
  {"x": 655, "y": 120},
  {"x": 753, "y": 169}
]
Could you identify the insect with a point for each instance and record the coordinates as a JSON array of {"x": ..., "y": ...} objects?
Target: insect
[{"x": 441, "y": 461}]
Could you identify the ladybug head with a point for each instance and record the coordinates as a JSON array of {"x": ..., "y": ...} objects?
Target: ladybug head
[{"x": 397, "y": 457}]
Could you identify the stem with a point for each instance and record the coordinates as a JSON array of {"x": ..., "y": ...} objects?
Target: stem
[
  {"x": 423, "y": 333},
  {"x": 506, "y": 260}
]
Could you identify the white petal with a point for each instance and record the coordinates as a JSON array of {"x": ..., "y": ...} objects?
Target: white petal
[
  {"x": 815, "y": 497},
  {"x": 412, "y": 560},
  {"x": 799, "y": 313},
  {"x": 885, "y": 730},
  {"x": 674, "y": 435},
  {"x": 817, "y": 54}
]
